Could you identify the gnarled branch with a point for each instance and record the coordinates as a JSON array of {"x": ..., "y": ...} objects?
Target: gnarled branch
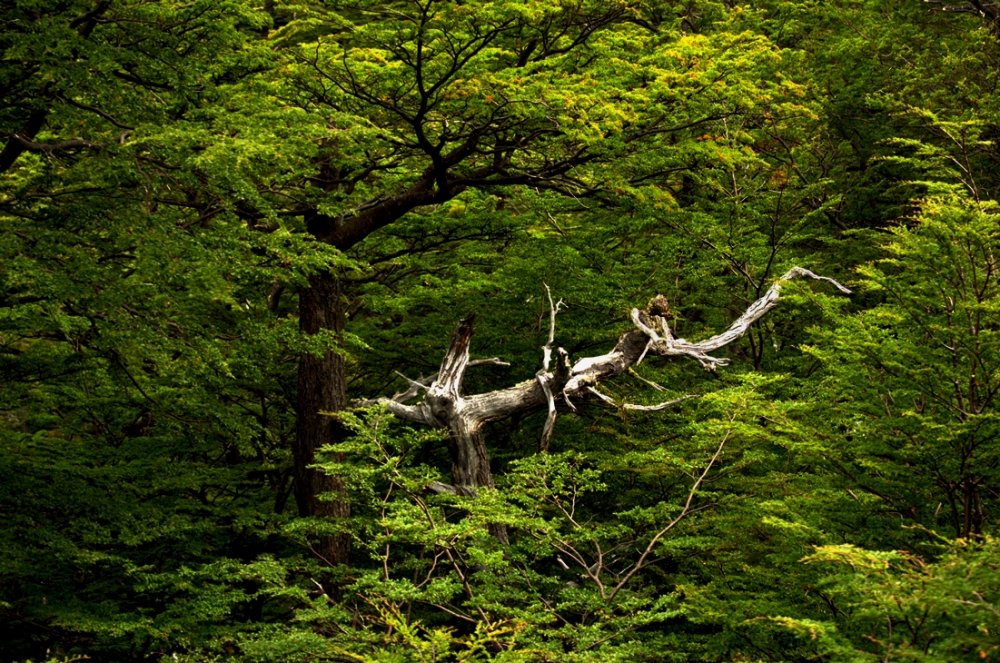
[
  {"x": 444, "y": 406},
  {"x": 50, "y": 148}
]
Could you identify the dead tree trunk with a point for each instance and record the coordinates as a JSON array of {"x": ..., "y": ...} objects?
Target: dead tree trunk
[
  {"x": 321, "y": 388},
  {"x": 470, "y": 459},
  {"x": 444, "y": 406}
]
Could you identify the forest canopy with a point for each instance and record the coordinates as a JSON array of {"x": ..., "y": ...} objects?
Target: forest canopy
[{"x": 457, "y": 330}]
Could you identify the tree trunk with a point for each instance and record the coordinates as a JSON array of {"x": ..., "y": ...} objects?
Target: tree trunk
[
  {"x": 470, "y": 460},
  {"x": 322, "y": 387},
  {"x": 470, "y": 465}
]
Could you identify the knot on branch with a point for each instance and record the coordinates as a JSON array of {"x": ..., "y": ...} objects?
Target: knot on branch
[{"x": 658, "y": 306}]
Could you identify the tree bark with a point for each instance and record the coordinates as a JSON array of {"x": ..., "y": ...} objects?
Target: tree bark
[
  {"x": 470, "y": 467},
  {"x": 321, "y": 388}
]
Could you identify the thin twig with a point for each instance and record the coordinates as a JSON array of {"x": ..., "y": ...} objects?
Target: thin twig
[{"x": 639, "y": 565}]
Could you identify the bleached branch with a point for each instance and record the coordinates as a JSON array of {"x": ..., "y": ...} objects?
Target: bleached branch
[
  {"x": 544, "y": 378},
  {"x": 640, "y": 408},
  {"x": 661, "y": 406},
  {"x": 652, "y": 384},
  {"x": 606, "y": 399},
  {"x": 444, "y": 405},
  {"x": 550, "y": 420},
  {"x": 674, "y": 347},
  {"x": 553, "y": 311}
]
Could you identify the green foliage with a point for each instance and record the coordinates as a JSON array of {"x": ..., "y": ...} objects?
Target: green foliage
[
  {"x": 907, "y": 609},
  {"x": 913, "y": 370},
  {"x": 830, "y": 496}
]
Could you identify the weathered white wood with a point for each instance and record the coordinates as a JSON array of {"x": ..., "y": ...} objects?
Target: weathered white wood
[
  {"x": 444, "y": 405},
  {"x": 550, "y": 420},
  {"x": 654, "y": 385},
  {"x": 422, "y": 383},
  {"x": 553, "y": 312},
  {"x": 674, "y": 347},
  {"x": 642, "y": 408},
  {"x": 418, "y": 414},
  {"x": 543, "y": 378},
  {"x": 441, "y": 488},
  {"x": 658, "y": 407},
  {"x": 607, "y": 399}
]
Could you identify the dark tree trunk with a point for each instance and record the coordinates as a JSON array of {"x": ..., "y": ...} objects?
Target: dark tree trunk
[{"x": 321, "y": 388}]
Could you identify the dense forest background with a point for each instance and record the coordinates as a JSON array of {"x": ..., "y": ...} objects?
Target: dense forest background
[{"x": 228, "y": 229}]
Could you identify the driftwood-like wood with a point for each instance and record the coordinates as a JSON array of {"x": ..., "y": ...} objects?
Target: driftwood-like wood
[{"x": 444, "y": 405}]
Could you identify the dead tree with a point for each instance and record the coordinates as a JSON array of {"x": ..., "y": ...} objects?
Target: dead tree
[{"x": 445, "y": 406}]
